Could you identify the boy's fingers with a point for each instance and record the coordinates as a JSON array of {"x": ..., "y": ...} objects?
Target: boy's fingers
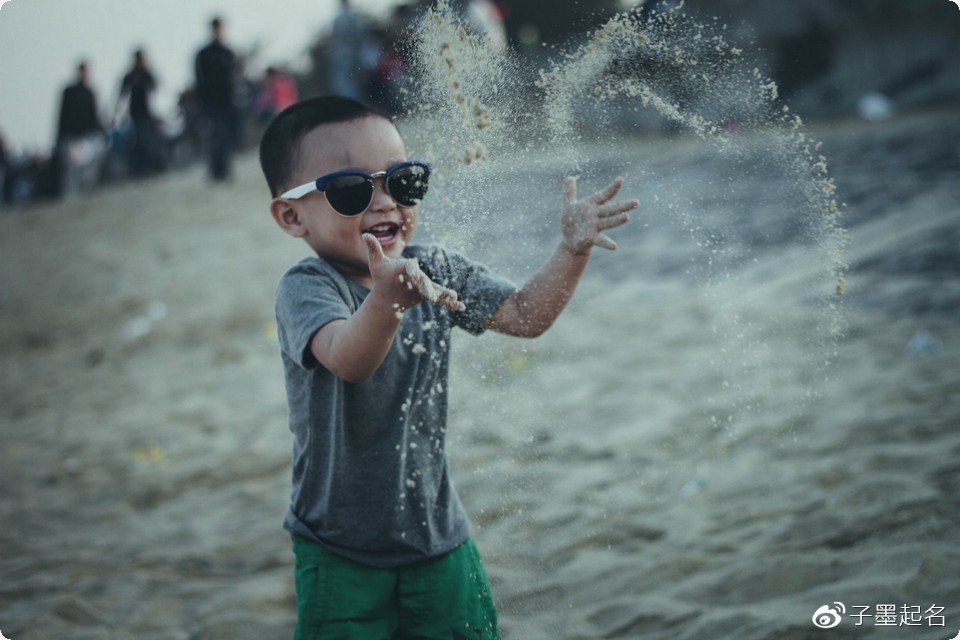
[
  {"x": 411, "y": 270},
  {"x": 617, "y": 208},
  {"x": 607, "y": 193},
  {"x": 374, "y": 250},
  {"x": 613, "y": 221},
  {"x": 605, "y": 242},
  {"x": 427, "y": 288},
  {"x": 417, "y": 278},
  {"x": 570, "y": 190},
  {"x": 437, "y": 294},
  {"x": 448, "y": 299}
]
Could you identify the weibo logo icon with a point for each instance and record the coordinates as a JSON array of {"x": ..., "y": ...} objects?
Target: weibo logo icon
[{"x": 827, "y": 617}]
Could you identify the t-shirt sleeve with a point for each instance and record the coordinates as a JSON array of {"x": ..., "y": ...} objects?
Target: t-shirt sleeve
[
  {"x": 308, "y": 298},
  {"x": 481, "y": 290}
]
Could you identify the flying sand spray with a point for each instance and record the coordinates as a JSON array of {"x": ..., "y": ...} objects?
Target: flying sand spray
[
  {"x": 470, "y": 94},
  {"x": 477, "y": 111}
]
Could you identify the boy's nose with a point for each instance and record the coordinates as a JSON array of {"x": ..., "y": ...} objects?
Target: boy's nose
[{"x": 381, "y": 199}]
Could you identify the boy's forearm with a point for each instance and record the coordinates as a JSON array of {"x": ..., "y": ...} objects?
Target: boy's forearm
[
  {"x": 533, "y": 309},
  {"x": 354, "y": 348}
]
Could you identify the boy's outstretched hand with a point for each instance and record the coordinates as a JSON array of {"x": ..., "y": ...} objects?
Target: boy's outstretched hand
[
  {"x": 584, "y": 221},
  {"x": 403, "y": 282}
]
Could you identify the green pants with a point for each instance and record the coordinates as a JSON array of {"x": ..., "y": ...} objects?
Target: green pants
[{"x": 446, "y": 598}]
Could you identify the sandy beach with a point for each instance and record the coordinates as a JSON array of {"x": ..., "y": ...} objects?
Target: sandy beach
[{"x": 691, "y": 452}]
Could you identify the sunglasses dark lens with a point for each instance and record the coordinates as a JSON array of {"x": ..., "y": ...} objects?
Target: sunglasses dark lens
[
  {"x": 349, "y": 195},
  {"x": 408, "y": 186}
]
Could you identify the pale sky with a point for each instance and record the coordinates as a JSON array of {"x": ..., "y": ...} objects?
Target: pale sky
[{"x": 41, "y": 42}]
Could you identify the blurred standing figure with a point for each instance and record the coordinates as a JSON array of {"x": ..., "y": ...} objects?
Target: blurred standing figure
[
  {"x": 145, "y": 154},
  {"x": 215, "y": 66},
  {"x": 78, "y": 109},
  {"x": 347, "y": 41},
  {"x": 80, "y": 137}
]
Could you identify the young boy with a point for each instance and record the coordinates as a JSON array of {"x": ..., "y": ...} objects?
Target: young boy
[{"x": 382, "y": 543}]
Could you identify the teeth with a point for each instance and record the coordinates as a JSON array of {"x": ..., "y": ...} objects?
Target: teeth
[{"x": 382, "y": 227}]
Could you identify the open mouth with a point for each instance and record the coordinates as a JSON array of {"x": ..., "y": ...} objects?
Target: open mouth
[{"x": 385, "y": 232}]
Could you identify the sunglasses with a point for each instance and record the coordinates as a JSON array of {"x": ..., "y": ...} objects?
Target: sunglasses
[{"x": 350, "y": 192}]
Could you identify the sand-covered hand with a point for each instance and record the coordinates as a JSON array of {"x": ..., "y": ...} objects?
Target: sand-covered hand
[
  {"x": 405, "y": 282},
  {"x": 584, "y": 221},
  {"x": 430, "y": 290}
]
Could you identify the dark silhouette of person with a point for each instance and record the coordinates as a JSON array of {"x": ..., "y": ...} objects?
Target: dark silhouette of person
[
  {"x": 78, "y": 109},
  {"x": 80, "y": 137},
  {"x": 216, "y": 91},
  {"x": 146, "y": 148}
]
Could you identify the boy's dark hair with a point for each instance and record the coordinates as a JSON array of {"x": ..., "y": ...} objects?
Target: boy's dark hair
[{"x": 280, "y": 144}]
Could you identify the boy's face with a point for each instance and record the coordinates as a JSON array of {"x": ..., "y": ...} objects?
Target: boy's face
[{"x": 370, "y": 144}]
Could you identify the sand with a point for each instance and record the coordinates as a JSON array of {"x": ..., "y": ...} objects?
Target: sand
[{"x": 688, "y": 453}]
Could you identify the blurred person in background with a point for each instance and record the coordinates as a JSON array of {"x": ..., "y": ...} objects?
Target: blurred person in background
[
  {"x": 385, "y": 84},
  {"x": 216, "y": 91},
  {"x": 277, "y": 92},
  {"x": 353, "y": 54},
  {"x": 80, "y": 137},
  {"x": 145, "y": 148}
]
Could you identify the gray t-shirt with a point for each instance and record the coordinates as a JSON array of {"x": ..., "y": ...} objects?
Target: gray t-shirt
[{"x": 370, "y": 477}]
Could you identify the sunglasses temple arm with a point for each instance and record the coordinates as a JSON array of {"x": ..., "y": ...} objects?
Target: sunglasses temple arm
[{"x": 299, "y": 192}]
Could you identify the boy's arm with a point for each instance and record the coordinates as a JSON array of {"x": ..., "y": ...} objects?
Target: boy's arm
[
  {"x": 354, "y": 348},
  {"x": 532, "y": 310}
]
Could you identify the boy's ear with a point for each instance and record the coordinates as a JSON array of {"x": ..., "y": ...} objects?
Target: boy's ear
[{"x": 287, "y": 217}]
